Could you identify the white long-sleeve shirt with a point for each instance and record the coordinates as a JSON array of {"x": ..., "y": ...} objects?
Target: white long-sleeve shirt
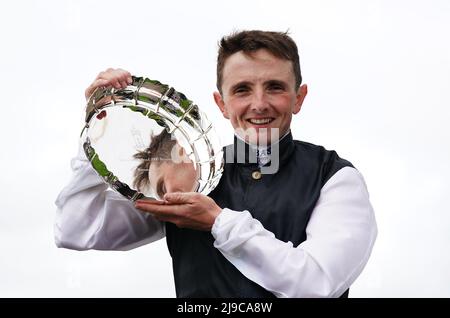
[{"x": 340, "y": 234}]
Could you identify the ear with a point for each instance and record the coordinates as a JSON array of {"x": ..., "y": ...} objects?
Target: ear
[
  {"x": 219, "y": 101},
  {"x": 301, "y": 94}
]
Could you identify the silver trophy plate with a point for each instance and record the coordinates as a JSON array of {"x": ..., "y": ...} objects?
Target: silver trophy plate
[{"x": 148, "y": 139}]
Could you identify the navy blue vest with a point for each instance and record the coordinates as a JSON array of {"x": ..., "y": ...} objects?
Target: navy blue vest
[{"x": 282, "y": 202}]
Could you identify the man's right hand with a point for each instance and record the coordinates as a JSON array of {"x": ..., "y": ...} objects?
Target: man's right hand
[{"x": 116, "y": 78}]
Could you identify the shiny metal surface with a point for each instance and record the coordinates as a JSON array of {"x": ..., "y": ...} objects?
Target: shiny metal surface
[{"x": 148, "y": 139}]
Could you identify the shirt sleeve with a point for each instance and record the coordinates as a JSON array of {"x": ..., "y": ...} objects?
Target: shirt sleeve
[
  {"x": 90, "y": 215},
  {"x": 340, "y": 237}
]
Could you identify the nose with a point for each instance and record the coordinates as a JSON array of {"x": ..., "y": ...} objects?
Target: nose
[{"x": 260, "y": 103}]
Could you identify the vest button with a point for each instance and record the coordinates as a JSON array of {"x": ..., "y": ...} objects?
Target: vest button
[{"x": 256, "y": 175}]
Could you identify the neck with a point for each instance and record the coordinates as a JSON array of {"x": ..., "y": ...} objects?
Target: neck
[{"x": 257, "y": 146}]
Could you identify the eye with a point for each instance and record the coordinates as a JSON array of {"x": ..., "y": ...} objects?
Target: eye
[
  {"x": 241, "y": 90},
  {"x": 276, "y": 87}
]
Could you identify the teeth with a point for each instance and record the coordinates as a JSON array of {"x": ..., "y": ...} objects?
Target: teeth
[{"x": 260, "y": 121}]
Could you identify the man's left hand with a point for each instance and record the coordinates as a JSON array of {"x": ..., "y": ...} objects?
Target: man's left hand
[{"x": 184, "y": 209}]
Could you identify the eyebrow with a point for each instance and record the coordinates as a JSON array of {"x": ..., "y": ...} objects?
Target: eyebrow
[{"x": 239, "y": 84}]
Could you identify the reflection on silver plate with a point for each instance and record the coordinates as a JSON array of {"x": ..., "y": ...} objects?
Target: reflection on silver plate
[{"x": 148, "y": 139}]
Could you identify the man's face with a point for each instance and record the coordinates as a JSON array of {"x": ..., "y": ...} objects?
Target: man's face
[
  {"x": 259, "y": 94},
  {"x": 173, "y": 176}
]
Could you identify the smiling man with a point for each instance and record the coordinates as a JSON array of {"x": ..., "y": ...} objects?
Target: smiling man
[
  {"x": 305, "y": 230},
  {"x": 164, "y": 167},
  {"x": 259, "y": 90}
]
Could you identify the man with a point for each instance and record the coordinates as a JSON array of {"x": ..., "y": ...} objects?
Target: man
[
  {"x": 164, "y": 167},
  {"x": 305, "y": 231}
]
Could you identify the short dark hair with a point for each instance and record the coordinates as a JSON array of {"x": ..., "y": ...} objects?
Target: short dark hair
[
  {"x": 160, "y": 148},
  {"x": 280, "y": 44}
]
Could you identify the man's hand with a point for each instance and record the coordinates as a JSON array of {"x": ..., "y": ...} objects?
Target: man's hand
[
  {"x": 184, "y": 209},
  {"x": 116, "y": 78}
]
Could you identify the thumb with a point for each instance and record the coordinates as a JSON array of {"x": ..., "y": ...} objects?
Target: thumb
[{"x": 178, "y": 197}]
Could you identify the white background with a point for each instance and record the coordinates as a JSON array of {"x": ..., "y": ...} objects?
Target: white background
[{"x": 379, "y": 85}]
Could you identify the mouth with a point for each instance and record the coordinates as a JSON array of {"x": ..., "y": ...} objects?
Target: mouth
[{"x": 261, "y": 121}]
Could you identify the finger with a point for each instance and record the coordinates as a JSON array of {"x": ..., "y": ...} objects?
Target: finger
[
  {"x": 115, "y": 83},
  {"x": 150, "y": 202},
  {"x": 124, "y": 77},
  {"x": 123, "y": 83},
  {"x": 120, "y": 74},
  {"x": 105, "y": 74},
  {"x": 180, "y": 197},
  {"x": 159, "y": 210},
  {"x": 97, "y": 83},
  {"x": 111, "y": 74},
  {"x": 110, "y": 77}
]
